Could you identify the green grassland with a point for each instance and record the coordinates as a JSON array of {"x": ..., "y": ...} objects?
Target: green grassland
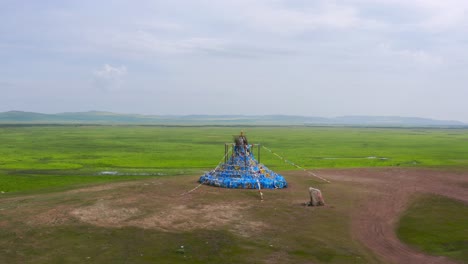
[
  {"x": 41, "y": 161},
  {"x": 436, "y": 225},
  {"x": 34, "y": 157}
]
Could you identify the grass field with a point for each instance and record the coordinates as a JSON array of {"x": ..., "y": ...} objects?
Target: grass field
[
  {"x": 437, "y": 225},
  {"x": 40, "y": 155},
  {"x": 213, "y": 225},
  {"x": 47, "y": 214}
]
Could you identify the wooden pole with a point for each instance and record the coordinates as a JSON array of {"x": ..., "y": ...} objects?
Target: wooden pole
[{"x": 258, "y": 150}]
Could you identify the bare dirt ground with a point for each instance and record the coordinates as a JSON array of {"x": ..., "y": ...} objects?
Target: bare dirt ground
[
  {"x": 374, "y": 222},
  {"x": 151, "y": 205},
  {"x": 158, "y": 204}
]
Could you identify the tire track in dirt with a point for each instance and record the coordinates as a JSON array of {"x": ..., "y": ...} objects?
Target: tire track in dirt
[{"x": 375, "y": 221}]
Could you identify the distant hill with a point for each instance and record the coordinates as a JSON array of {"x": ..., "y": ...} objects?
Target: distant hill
[{"x": 95, "y": 117}]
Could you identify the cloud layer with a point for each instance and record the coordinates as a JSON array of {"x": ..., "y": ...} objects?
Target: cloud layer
[{"x": 328, "y": 58}]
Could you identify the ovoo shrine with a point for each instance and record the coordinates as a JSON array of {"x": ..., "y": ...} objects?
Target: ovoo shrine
[{"x": 242, "y": 170}]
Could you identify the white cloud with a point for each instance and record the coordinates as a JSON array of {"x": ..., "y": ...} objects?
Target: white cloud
[
  {"x": 418, "y": 57},
  {"x": 144, "y": 44},
  {"x": 428, "y": 15},
  {"x": 279, "y": 17},
  {"x": 445, "y": 15},
  {"x": 110, "y": 78}
]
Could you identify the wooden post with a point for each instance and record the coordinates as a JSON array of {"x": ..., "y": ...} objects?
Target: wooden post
[
  {"x": 225, "y": 152},
  {"x": 258, "y": 150}
]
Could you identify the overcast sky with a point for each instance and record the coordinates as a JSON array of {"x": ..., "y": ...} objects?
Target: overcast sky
[{"x": 293, "y": 57}]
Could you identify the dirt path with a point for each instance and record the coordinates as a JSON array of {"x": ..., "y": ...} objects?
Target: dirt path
[{"x": 374, "y": 223}]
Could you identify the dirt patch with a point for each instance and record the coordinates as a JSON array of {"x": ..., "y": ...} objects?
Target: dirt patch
[
  {"x": 374, "y": 223},
  {"x": 103, "y": 213},
  {"x": 54, "y": 216},
  {"x": 174, "y": 218},
  {"x": 154, "y": 206},
  {"x": 204, "y": 217}
]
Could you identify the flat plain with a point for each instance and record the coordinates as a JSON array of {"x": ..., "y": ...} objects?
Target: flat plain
[{"x": 119, "y": 194}]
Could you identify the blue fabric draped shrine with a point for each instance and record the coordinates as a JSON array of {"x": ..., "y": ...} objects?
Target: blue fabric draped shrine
[{"x": 243, "y": 171}]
